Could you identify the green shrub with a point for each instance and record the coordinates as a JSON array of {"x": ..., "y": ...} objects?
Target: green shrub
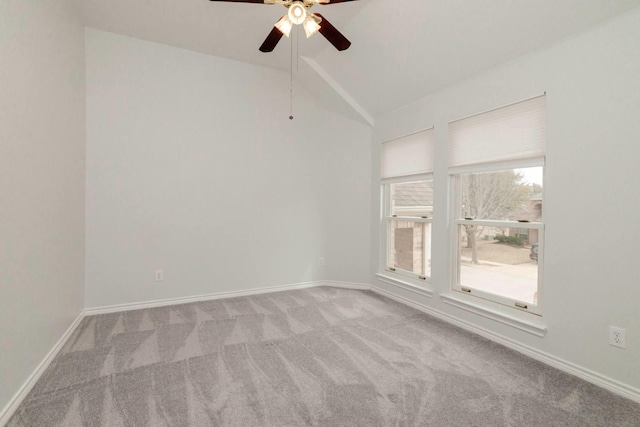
[{"x": 510, "y": 240}]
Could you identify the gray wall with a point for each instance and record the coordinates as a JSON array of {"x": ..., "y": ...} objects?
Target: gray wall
[
  {"x": 349, "y": 199},
  {"x": 193, "y": 167},
  {"x": 42, "y": 171},
  {"x": 592, "y": 274}
]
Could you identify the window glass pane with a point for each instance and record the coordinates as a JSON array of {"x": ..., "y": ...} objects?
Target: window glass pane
[
  {"x": 412, "y": 199},
  {"x": 509, "y": 195},
  {"x": 501, "y": 261},
  {"x": 410, "y": 246}
]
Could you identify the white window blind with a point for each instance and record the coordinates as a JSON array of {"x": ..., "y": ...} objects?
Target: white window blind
[
  {"x": 509, "y": 133},
  {"x": 408, "y": 155}
]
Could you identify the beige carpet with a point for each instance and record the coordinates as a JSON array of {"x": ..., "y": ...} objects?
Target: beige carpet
[{"x": 322, "y": 356}]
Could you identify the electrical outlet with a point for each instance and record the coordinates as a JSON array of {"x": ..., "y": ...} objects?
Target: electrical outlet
[
  {"x": 617, "y": 337},
  {"x": 159, "y": 275},
  {"x": 321, "y": 262}
]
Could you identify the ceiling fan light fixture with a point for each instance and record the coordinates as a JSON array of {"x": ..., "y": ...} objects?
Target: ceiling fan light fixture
[
  {"x": 297, "y": 13},
  {"x": 284, "y": 25},
  {"x": 310, "y": 26}
]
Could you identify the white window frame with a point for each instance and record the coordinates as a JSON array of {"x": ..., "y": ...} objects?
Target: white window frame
[
  {"x": 457, "y": 221},
  {"x": 387, "y": 218}
]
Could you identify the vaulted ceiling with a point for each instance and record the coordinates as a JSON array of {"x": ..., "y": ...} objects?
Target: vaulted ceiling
[{"x": 401, "y": 51}]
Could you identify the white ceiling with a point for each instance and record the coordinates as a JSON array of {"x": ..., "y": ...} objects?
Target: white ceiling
[{"x": 401, "y": 51}]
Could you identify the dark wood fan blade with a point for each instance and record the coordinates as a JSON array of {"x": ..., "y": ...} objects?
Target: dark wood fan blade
[
  {"x": 271, "y": 41},
  {"x": 332, "y": 34},
  {"x": 335, "y": 1},
  {"x": 242, "y": 1}
]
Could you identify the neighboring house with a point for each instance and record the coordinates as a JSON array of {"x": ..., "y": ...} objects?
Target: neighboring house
[
  {"x": 531, "y": 212},
  {"x": 414, "y": 199}
]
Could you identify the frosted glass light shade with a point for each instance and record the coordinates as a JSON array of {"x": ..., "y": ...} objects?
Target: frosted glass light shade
[
  {"x": 284, "y": 25},
  {"x": 310, "y": 27}
]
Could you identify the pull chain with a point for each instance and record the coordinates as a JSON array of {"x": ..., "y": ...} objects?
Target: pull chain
[
  {"x": 291, "y": 84},
  {"x": 297, "y": 49}
]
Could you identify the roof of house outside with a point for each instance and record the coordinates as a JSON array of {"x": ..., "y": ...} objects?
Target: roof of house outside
[
  {"x": 419, "y": 193},
  {"x": 412, "y": 198}
]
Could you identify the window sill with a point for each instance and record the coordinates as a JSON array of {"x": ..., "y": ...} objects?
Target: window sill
[
  {"x": 527, "y": 325},
  {"x": 408, "y": 286}
]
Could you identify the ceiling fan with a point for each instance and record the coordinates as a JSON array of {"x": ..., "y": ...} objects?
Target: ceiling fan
[{"x": 298, "y": 14}]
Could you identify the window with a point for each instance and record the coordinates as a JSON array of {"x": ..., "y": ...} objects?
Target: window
[
  {"x": 408, "y": 224},
  {"x": 407, "y": 188},
  {"x": 497, "y": 188}
]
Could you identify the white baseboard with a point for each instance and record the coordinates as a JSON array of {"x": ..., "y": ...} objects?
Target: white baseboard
[
  {"x": 588, "y": 375},
  {"x": 221, "y": 295},
  {"x": 22, "y": 393},
  {"x": 206, "y": 297},
  {"x": 346, "y": 285}
]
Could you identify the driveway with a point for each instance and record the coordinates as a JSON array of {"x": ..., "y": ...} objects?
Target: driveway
[{"x": 519, "y": 282}]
